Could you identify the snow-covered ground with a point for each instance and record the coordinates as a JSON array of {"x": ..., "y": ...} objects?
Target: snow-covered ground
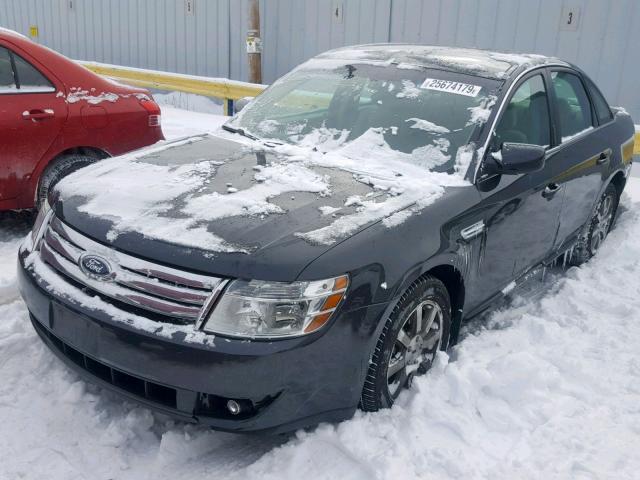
[{"x": 542, "y": 389}]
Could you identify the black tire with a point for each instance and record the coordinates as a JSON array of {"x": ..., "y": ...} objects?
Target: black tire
[
  {"x": 57, "y": 170},
  {"x": 425, "y": 294},
  {"x": 598, "y": 227}
]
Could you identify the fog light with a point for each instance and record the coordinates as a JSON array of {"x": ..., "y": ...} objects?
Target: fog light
[{"x": 233, "y": 407}]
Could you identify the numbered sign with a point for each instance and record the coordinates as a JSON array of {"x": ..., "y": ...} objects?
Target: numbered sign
[{"x": 570, "y": 19}]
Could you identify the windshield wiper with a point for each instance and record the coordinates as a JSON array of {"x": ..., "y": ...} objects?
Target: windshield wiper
[{"x": 239, "y": 131}]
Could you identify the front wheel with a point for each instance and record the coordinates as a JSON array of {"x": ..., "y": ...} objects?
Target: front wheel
[
  {"x": 417, "y": 328},
  {"x": 598, "y": 227}
]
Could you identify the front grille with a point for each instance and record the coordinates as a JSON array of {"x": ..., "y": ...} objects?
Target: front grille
[
  {"x": 137, "y": 386},
  {"x": 151, "y": 288}
]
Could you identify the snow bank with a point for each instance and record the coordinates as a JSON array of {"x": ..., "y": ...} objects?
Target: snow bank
[
  {"x": 188, "y": 101},
  {"x": 543, "y": 389}
]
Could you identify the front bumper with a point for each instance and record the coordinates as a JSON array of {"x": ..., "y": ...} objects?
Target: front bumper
[{"x": 289, "y": 383}]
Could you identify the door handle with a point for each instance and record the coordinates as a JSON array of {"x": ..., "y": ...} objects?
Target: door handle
[
  {"x": 39, "y": 114},
  {"x": 604, "y": 157},
  {"x": 550, "y": 190}
]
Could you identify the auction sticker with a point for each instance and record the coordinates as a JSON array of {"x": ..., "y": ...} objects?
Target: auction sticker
[{"x": 458, "y": 88}]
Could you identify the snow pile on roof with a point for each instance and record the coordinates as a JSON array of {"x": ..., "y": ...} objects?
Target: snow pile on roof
[
  {"x": 484, "y": 63},
  {"x": 12, "y": 32}
]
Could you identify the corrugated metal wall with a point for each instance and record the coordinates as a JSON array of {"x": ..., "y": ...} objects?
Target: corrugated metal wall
[{"x": 160, "y": 34}]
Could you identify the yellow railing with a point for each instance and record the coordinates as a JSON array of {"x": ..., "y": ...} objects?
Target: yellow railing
[{"x": 228, "y": 90}]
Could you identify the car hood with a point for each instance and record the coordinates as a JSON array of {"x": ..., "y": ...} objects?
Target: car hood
[{"x": 215, "y": 205}]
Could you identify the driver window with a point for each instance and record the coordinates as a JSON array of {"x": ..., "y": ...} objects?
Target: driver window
[{"x": 526, "y": 118}]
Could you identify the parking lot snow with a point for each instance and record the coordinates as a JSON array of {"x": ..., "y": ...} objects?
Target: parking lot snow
[{"x": 544, "y": 388}]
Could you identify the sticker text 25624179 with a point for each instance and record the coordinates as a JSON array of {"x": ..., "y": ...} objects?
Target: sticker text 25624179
[{"x": 458, "y": 88}]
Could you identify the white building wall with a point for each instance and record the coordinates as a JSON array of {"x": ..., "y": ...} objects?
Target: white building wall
[{"x": 160, "y": 34}]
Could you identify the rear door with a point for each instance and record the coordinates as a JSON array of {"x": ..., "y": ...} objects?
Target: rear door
[
  {"x": 582, "y": 156},
  {"x": 31, "y": 117}
]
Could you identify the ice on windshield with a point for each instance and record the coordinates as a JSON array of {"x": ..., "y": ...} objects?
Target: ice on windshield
[{"x": 328, "y": 109}]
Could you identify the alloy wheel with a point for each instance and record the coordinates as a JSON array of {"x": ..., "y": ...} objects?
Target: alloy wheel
[
  {"x": 602, "y": 223},
  {"x": 416, "y": 345}
]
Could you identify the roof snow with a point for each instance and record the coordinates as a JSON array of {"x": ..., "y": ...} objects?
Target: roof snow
[{"x": 484, "y": 63}]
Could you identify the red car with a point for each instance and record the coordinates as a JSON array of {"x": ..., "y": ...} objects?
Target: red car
[{"x": 56, "y": 116}]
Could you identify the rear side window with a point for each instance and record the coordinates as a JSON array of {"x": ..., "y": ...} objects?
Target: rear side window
[
  {"x": 603, "y": 112},
  {"x": 7, "y": 82},
  {"x": 574, "y": 109},
  {"x": 526, "y": 118},
  {"x": 29, "y": 78},
  {"x": 19, "y": 76}
]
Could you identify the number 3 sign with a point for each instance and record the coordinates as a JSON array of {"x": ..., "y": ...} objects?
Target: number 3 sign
[{"x": 570, "y": 19}]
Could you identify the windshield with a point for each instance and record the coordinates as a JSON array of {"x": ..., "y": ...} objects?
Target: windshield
[{"x": 418, "y": 115}]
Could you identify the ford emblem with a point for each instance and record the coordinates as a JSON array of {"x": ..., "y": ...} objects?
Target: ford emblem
[{"x": 96, "y": 267}]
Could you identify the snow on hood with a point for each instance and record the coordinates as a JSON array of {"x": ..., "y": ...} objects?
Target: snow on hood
[{"x": 168, "y": 194}]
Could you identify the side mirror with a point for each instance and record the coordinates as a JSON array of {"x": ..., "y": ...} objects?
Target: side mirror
[
  {"x": 241, "y": 103},
  {"x": 516, "y": 158}
]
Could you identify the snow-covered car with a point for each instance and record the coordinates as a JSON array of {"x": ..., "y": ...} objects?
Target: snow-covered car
[
  {"x": 56, "y": 117},
  {"x": 317, "y": 254}
]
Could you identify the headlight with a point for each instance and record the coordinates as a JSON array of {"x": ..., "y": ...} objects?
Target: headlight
[
  {"x": 38, "y": 227},
  {"x": 276, "y": 309}
]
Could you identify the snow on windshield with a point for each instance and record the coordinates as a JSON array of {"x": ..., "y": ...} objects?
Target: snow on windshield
[{"x": 404, "y": 142}]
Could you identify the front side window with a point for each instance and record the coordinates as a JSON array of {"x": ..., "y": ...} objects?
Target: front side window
[
  {"x": 526, "y": 118},
  {"x": 574, "y": 109},
  {"x": 372, "y": 111},
  {"x": 7, "y": 81}
]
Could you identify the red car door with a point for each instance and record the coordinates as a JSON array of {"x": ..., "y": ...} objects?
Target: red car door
[{"x": 32, "y": 115}]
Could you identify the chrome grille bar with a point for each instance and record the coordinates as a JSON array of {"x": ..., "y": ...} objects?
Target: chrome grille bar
[
  {"x": 130, "y": 279},
  {"x": 132, "y": 263},
  {"x": 140, "y": 283}
]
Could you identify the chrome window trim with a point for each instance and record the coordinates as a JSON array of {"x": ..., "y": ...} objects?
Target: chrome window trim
[
  {"x": 22, "y": 91},
  {"x": 505, "y": 98}
]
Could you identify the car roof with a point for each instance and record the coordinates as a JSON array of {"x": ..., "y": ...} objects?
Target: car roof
[
  {"x": 69, "y": 72},
  {"x": 13, "y": 33},
  {"x": 483, "y": 63}
]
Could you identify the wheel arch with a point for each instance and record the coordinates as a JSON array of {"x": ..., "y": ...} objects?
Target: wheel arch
[
  {"x": 453, "y": 281},
  {"x": 95, "y": 152},
  {"x": 619, "y": 181},
  {"x": 444, "y": 269},
  {"x": 28, "y": 196}
]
